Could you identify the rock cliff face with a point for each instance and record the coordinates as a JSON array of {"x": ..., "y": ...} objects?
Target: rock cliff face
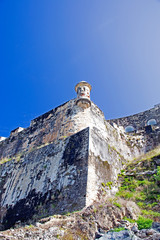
[{"x": 62, "y": 162}]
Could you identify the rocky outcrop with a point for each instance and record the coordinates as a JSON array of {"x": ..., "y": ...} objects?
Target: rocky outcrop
[
  {"x": 147, "y": 234},
  {"x": 101, "y": 221},
  {"x": 86, "y": 224}
]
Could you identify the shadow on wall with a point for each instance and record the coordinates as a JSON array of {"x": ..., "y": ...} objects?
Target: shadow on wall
[{"x": 65, "y": 193}]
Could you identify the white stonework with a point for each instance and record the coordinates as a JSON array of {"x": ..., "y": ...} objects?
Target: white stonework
[
  {"x": 83, "y": 94},
  {"x": 2, "y": 138}
]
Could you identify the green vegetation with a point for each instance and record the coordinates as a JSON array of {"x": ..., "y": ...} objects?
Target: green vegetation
[
  {"x": 144, "y": 223},
  {"x": 117, "y": 204},
  {"x": 141, "y": 185},
  {"x": 94, "y": 210},
  {"x": 16, "y": 157},
  {"x": 109, "y": 184},
  {"x": 157, "y": 176},
  {"x": 29, "y": 226},
  {"x": 129, "y": 220},
  {"x": 4, "y": 160},
  {"x": 146, "y": 157},
  {"x": 118, "y": 229},
  {"x": 150, "y": 213},
  {"x": 100, "y": 206}
]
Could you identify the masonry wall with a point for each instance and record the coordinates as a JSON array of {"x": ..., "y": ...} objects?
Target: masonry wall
[
  {"x": 60, "y": 123},
  {"x": 150, "y": 136},
  {"x": 57, "y": 178},
  {"x": 49, "y": 180},
  {"x": 104, "y": 165},
  {"x": 47, "y": 128},
  {"x": 139, "y": 120},
  {"x": 62, "y": 162}
]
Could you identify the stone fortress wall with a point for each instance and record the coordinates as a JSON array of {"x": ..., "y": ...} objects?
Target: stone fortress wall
[
  {"x": 60, "y": 162},
  {"x": 44, "y": 165},
  {"x": 68, "y": 119},
  {"x": 140, "y": 120},
  {"x": 146, "y": 124}
]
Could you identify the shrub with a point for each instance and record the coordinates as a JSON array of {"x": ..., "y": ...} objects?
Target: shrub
[
  {"x": 157, "y": 176},
  {"x": 141, "y": 204},
  {"x": 132, "y": 188},
  {"x": 151, "y": 213},
  {"x": 140, "y": 196},
  {"x": 125, "y": 194},
  {"x": 144, "y": 223},
  {"x": 117, "y": 204},
  {"x": 129, "y": 220}
]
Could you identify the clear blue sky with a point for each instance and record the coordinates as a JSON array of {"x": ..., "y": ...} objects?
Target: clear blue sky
[{"x": 46, "y": 47}]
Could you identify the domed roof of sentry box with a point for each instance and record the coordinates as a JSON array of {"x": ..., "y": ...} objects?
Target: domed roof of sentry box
[{"x": 83, "y": 83}]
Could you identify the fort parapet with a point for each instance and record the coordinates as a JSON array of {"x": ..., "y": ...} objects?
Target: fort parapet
[
  {"x": 146, "y": 124},
  {"x": 140, "y": 120}
]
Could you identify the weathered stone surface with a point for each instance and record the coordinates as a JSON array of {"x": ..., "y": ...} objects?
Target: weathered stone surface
[
  {"x": 149, "y": 134},
  {"x": 57, "y": 178},
  {"x": 139, "y": 120},
  {"x": 125, "y": 234},
  {"x": 99, "y": 217},
  {"x": 65, "y": 121},
  {"x": 93, "y": 222},
  {"x": 64, "y": 161},
  {"x": 156, "y": 226},
  {"x": 54, "y": 176}
]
